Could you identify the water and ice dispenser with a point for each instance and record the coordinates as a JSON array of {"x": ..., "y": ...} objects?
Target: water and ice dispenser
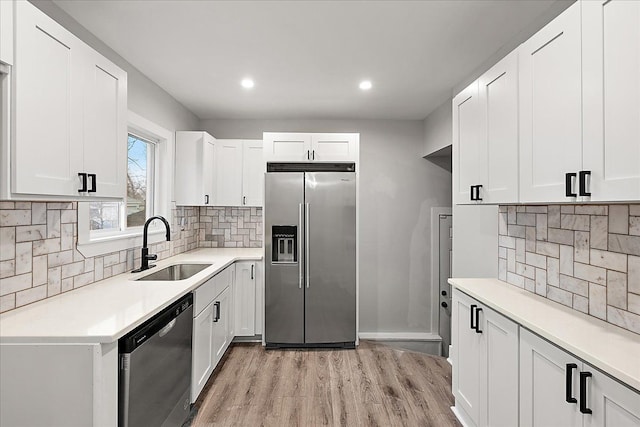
[{"x": 284, "y": 244}]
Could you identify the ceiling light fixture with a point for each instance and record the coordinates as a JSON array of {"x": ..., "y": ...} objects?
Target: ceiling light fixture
[
  {"x": 247, "y": 83},
  {"x": 365, "y": 84}
]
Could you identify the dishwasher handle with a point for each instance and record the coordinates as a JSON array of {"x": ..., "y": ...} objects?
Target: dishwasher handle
[{"x": 164, "y": 331}]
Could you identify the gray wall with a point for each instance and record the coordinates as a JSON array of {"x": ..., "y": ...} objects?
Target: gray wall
[
  {"x": 397, "y": 190},
  {"x": 438, "y": 128},
  {"x": 144, "y": 96}
]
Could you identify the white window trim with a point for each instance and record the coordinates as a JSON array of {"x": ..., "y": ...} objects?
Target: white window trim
[{"x": 126, "y": 239}]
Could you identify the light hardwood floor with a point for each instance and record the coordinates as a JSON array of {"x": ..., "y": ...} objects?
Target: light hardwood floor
[{"x": 375, "y": 385}]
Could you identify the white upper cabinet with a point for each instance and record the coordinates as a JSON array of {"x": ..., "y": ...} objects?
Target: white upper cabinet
[
  {"x": 6, "y": 32},
  {"x": 333, "y": 147},
  {"x": 194, "y": 169},
  {"x": 467, "y": 133},
  {"x": 228, "y": 173},
  {"x": 309, "y": 147},
  {"x": 611, "y": 72},
  {"x": 287, "y": 147},
  {"x": 70, "y": 107},
  {"x": 253, "y": 169},
  {"x": 551, "y": 110},
  {"x": 498, "y": 156}
]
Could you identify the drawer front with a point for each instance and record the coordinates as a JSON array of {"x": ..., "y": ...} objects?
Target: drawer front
[
  {"x": 204, "y": 295},
  {"x": 223, "y": 279}
]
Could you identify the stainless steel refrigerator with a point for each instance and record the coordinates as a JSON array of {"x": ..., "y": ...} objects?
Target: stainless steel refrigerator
[{"x": 310, "y": 258}]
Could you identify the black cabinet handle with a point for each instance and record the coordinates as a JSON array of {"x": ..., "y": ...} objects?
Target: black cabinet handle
[
  {"x": 478, "y": 187},
  {"x": 568, "y": 392},
  {"x": 473, "y": 307},
  {"x": 477, "y": 328},
  {"x": 568, "y": 184},
  {"x": 93, "y": 182},
  {"x": 244, "y": 200},
  {"x": 308, "y": 155},
  {"x": 583, "y": 392},
  {"x": 583, "y": 183},
  {"x": 252, "y": 271},
  {"x": 83, "y": 176},
  {"x": 472, "y": 196},
  {"x": 313, "y": 155},
  {"x": 206, "y": 199},
  {"x": 217, "y": 306}
]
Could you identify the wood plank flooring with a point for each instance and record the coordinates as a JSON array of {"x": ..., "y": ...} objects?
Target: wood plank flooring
[{"x": 374, "y": 385}]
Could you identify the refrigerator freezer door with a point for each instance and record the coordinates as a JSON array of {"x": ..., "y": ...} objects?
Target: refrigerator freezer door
[
  {"x": 330, "y": 300},
  {"x": 284, "y": 291}
]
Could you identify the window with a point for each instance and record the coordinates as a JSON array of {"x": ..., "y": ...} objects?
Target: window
[
  {"x": 114, "y": 216},
  {"x": 109, "y": 226}
]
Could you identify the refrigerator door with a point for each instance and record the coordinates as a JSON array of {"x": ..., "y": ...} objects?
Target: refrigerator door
[
  {"x": 330, "y": 246},
  {"x": 284, "y": 284}
]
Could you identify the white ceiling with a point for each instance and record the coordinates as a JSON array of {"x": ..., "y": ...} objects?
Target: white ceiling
[{"x": 307, "y": 57}]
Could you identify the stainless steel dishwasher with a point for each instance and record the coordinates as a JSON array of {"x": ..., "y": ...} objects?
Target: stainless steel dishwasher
[{"x": 155, "y": 369}]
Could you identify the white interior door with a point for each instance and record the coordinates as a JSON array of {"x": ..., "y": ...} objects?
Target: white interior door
[
  {"x": 48, "y": 76},
  {"x": 498, "y": 94},
  {"x": 253, "y": 169},
  {"x": 551, "y": 108},
  {"x": 467, "y": 134},
  {"x": 611, "y": 50},
  {"x": 228, "y": 172}
]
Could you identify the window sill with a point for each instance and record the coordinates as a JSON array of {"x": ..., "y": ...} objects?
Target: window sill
[{"x": 119, "y": 242}]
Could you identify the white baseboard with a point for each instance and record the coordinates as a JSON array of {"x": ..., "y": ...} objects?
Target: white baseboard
[
  {"x": 461, "y": 416},
  {"x": 400, "y": 336}
]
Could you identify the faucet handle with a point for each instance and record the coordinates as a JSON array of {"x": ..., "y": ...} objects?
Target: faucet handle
[{"x": 152, "y": 257}]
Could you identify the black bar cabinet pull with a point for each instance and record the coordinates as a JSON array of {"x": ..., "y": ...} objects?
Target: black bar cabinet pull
[
  {"x": 313, "y": 155},
  {"x": 252, "y": 271},
  {"x": 93, "y": 182},
  {"x": 472, "y": 187},
  {"x": 308, "y": 155},
  {"x": 477, "y": 328},
  {"x": 84, "y": 182},
  {"x": 583, "y": 182},
  {"x": 244, "y": 200},
  {"x": 569, "y": 383},
  {"x": 568, "y": 183},
  {"x": 478, "y": 187},
  {"x": 473, "y": 307},
  {"x": 217, "y": 306},
  {"x": 206, "y": 199},
  {"x": 583, "y": 392}
]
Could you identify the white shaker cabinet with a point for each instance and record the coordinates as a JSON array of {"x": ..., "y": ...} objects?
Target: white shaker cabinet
[
  {"x": 6, "y": 32},
  {"x": 245, "y": 299},
  {"x": 498, "y": 144},
  {"x": 467, "y": 135},
  {"x": 551, "y": 110},
  {"x": 485, "y": 364},
  {"x": 310, "y": 147},
  {"x": 70, "y": 108},
  {"x": 253, "y": 169},
  {"x": 287, "y": 147},
  {"x": 333, "y": 147},
  {"x": 222, "y": 311},
  {"x": 195, "y": 169},
  {"x": 611, "y": 73},
  {"x": 228, "y": 173},
  {"x": 556, "y": 388},
  {"x": 202, "y": 350}
]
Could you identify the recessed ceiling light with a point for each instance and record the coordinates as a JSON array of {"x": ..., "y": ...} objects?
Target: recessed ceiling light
[
  {"x": 365, "y": 84},
  {"x": 247, "y": 83}
]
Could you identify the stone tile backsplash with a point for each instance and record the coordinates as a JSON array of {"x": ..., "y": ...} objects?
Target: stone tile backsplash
[
  {"x": 38, "y": 256},
  {"x": 586, "y": 257},
  {"x": 230, "y": 227}
]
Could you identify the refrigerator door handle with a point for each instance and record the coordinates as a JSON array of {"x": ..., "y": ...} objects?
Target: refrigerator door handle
[
  {"x": 306, "y": 242},
  {"x": 300, "y": 270}
]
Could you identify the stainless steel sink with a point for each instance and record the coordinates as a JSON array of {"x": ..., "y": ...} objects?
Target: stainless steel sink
[{"x": 176, "y": 272}]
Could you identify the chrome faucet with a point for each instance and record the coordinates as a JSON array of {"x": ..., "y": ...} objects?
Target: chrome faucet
[{"x": 145, "y": 251}]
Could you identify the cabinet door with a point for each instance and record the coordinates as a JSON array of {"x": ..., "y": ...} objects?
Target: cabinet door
[
  {"x": 6, "y": 32},
  {"x": 467, "y": 134},
  {"x": 543, "y": 370},
  {"x": 202, "y": 355},
  {"x": 208, "y": 167},
  {"x": 221, "y": 311},
  {"x": 245, "y": 299},
  {"x": 253, "y": 169},
  {"x": 194, "y": 169},
  {"x": 287, "y": 147},
  {"x": 48, "y": 76},
  {"x": 612, "y": 404},
  {"x": 551, "y": 108},
  {"x": 466, "y": 363},
  {"x": 498, "y": 154},
  {"x": 228, "y": 173},
  {"x": 611, "y": 72},
  {"x": 105, "y": 125},
  {"x": 333, "y": 147},
  {"x": 498, "y": 370}
]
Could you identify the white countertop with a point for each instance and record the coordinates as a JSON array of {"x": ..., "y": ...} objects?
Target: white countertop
[
  {"x": 107, "y": 310},
  {"x": 605, "y": 346}
]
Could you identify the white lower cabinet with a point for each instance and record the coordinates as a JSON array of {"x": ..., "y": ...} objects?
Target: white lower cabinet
[
  {"x": 485, "y": 369},
  {"x": 221, "y": 324},
  {"x": 245, "y": 299},
  {"x": 557, "y": 388},
  {"x": 202, "y": 348}
]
